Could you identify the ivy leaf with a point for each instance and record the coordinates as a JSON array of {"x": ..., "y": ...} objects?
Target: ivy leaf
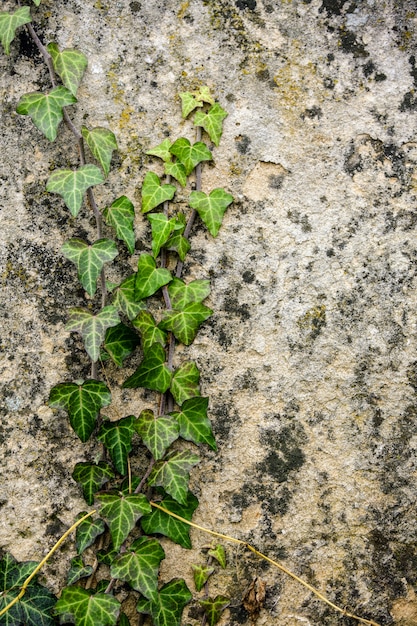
[
  {"x": 171, "y": 600},
  {"x": 193, "y": 422},
  {"x": 149, "y": 331},
  {"x": 212, "y": 122},
  {"x": 89, "y": 259},
  {"x": 213, "y": 608},
  {"x": 78, "y": 570},
  {"x": 173, "y": 474},
  {"x": 189, "y": 103},
  {"x": 139, "y": 566},
  {"x": 120, "y": 215},
  {"x": 190, "y": 155},
  {"x": 72, "y": 184},
  {"x": 177, "y": 171},
  {"x": 177, "y": 242},
  {"x": 211, "y": 208},
  {"x": 163, "y": 524},
  {"x": 92, "y": 327},
  {"x": 124, "y": 298},
  {"x": 185, "y": 323},
  {"x": 120, "y": 341},
  {"x": 9, "y": 22},
  {"x": 201, "y": 575},
  {"x": 83, "y": 403},
  {"x": 37, "y": 2},
  {"x": 101, "y": 142},
  {"x": 45, "y": 109},
  {"x": 87, "y": 532},
  {"x": 154, "y": 193},
  {"x": 204, "y": 95},
  {"x": 85, "y": 608},
  {"x": 162, "y": 227},
  {"x": 91, "y": 478},
  {"x": 123, "y": 620},
  {"x": 219, "y": 554},
  {"x": 161, "y": 150},
  {"x": 157, "y": 433},
  {"x": 182, "y": 294},
  {"x": 117, "y": 437},
  {"x": 70, "y": 65},
  {"x": 148, "y": 278},
  {"x": 152, "y": 373},
  {"x": 122, "y": 513},
  {"x": 184, "y": 383},
  {"x": 35, "y": 607}
]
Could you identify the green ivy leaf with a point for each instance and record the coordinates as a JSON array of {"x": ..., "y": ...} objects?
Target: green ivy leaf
[
  {"x": 167, "y": 609},
  {"x": 45, "y": 109},
  {"x": 70, "y": 65},
  {"x": 72, "y": 184},
  {"x": 189, "y": 103},
  {"x": 92, "y": 327},
  {"x": 219, "y": 554},
  {"x": 212, "y": 122},
  {"x": 78, "y": 570},
  {"x": 117, "y": 437},
  {"x": 89, "y": 259},
  {"x": 101, "y": 142},
  {"x": 190, "y": 155},
  {"x": 139, "y": 566},
  {"x": 204, "y": 95},
  {"x": 87, "y": 532},
  {"x": 149, "y": 331},
  {"x": 173, "y": 474},
  {"x": 157, "y": 433},
  {"x": 177, "y": 171},
  {"x": 85, "y": 608},
  {"x": 148, "y": 278},
  {"x": 123, "y": 620},
  {"x": 185, "y": 323},
  {"x": 161, "y": 150},
  {"x": 124, "y": 298},
  {"x": 193, "y": 422},
  {"x": 122, "y": 513},
  {"x": 152, "y": 373},
  {"x": 213, "y": 608},
  {"x": 211, "y": 208},
  {"x": 182, "y": 294},
  {"x": 9, "y": 22},
  {"x": 120, "y": 215},
  {"x": 120, "y": 341},
  {"x": 178, "y": 243},
  {"x": 35, "y": 607},
  {"x": 92, "y": 477},
  {"x": 201, "y": 575},
  {"x": 154, "y": 193},
  {"x": 163, "y": 524},
  {"x": 185, "y": 382},
  {"x": 83, "y": 403},
  {"x": 37, "y": 2},
  {"x": 162, "y": 227},
  {"x": 107, "y": 556}
]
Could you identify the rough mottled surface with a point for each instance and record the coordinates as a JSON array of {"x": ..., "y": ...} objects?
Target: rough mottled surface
[{"x": 310, "y": 359}]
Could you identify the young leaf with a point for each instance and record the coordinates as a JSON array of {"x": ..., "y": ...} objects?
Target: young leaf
[
  {"x": 72, "y": 184},
  {"x": 190, "y": 155},
  {"x": 120, "y": 215},
  {"x": 122, "y": 513},
  {"x": 45, "y": 109},
  {"x": 184, "y": 383},
  {"x": 213, "y": 608},
  {"x": 173, "y": 474},
  {"x": 177, "y": 171},
  {"x": 101, "y": 142},
  {"x": 87, "y": 532},
  {"x": 9, "y": 22},
  {"x": 194, "y": 423},
  {"x": 204, "y": 95},
  {"x": 149, "y": 331},
  {"x": 163, "y": 524},
  {"x": 70, "y": 65},
  {"x": 162, "y": 227},
  {"x": 89, "y": 259},
  {"x": 161, "y": 150},
  {"x": 120, "y": 341},
  {"x": 124, "y": 298},
  {"x": 139, "y": 566},
  {"x": 152, "y": 373},
  {"x": 185, "y": 323},
  {"x": 83, "y": 403},
  {"x": 91, "y": 478},
  {"x": 157, "y": 432},
  {"x": 211, "y": 208},
  {"x": 219, "y": 554},
  {"x": 154, "y": 193},
  {"x": 92, "y": 327},
  {"x": 117, "y": 437},
  {"x": 37, "y": 2},
  {"x": 178, "y": 244},
  {"x": 201, "y": 575},
  {"x": 212, "y": 122},
  {"x": 78, "y": 570},
  {"x": 148, "y": 278},
  {"x": 85, "y": 608},
  {"x": 182, "y": 294},
  {"x": 169, "y": 605},
  {"x": 189, "y": 103}
]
